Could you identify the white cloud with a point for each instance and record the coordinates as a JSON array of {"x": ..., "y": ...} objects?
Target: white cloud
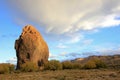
[
  {"x": 74, "y": 38},
  {"x": 69, "y": 16},
  {"x": 61, "y": 46},
  {"x": 12, "y": 60},
  {"x": 110, "y": 21}
]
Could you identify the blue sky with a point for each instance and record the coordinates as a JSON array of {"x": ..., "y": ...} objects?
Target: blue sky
[{"x": 72, "y": 29}]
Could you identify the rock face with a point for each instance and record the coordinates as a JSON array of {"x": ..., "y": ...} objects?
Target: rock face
[{"x": 31, "y": 47}]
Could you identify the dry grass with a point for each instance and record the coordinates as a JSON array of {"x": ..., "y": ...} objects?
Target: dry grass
[{"x": 94, "y": 74}]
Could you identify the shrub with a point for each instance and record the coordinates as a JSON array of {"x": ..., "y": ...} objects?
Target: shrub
[
  {"x": 90, "y": 65},
  {"x": 6, "y": 68},
  {"x": 11, "y": 68},
  {"x": 95, "y": 64},
  {"x": 77, "y": 66},
  {"x": 29, "y": 67},
  {"x": 100, "y": 63},
  {"x": 53, "y": 65},
  {"x": 67, "y": 65}
]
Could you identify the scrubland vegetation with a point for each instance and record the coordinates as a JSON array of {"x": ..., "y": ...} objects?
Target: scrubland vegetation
[
  {"x": 92, "y": 69},
  {"x": 67, "y": 74},
  {"x": 6, "y": 68},
  {"x": 53, "y": 65}
]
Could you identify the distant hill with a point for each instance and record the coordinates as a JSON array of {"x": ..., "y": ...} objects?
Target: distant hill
[{"x": 112, "y": 61}]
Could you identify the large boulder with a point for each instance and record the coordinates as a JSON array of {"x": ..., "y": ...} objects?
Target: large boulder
[{"x": 31, "y": 47}]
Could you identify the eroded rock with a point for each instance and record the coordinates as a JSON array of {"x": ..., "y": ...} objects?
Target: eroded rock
[{"x": 31, "y": 47}]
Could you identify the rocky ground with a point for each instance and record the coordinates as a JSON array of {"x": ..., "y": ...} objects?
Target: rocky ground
[{"x": 94, "y": 74}]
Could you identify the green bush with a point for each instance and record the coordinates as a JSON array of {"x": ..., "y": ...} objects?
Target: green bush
[
  {"x": 6, "y": 68},
  {"x": 67, "y": 65},
  {"x": 53, "y": 65},
  {"x": 29, "y": 67}
]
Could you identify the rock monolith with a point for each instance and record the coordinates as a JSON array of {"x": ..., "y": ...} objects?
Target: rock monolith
[{"x": 31, "y": 47}]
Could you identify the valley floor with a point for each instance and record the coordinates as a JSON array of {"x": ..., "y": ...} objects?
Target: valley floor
[{"x": 94, "y": 74}]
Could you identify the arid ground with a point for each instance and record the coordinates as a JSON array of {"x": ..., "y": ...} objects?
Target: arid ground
[{"x": 93, "y": 74}]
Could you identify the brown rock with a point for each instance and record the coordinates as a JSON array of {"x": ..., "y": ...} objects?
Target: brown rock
[{"x": 31, "y": 47}]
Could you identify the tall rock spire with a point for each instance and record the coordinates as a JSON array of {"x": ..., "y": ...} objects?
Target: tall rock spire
[{"x": 31, "y": 47}]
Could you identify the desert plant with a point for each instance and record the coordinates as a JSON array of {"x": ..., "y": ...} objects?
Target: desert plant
[
  {"x": 6, "y": 68},
  {"x": 77, "y": 66},
  {"x": 100, "y": 63},
  {"x": 53, "y": 65},
  {"x": 29, "y": 67},
  {"x": 67, "y": 65},
  {"x": 90, "y": 65},
  {"x": 95, "y": 64},
  {"x": 11, "y": 68}
]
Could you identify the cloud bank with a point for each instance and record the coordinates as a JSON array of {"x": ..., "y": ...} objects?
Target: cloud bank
[
  {"x": 68, "y": 16},
  {"x": 74, "y": 55}
]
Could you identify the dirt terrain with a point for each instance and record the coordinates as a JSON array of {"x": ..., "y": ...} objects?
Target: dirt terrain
[{"x": 93, "y": 74}]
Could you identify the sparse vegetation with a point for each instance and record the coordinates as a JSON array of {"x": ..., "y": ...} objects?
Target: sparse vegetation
[
  {"x": 53, "y": 65},
  {"x": 77, "y": 66},
  {"x": 90, "y": 65},
  {"x": 67, "y": 65},
  {"x": 29, "y": 67},
  {"x": 92, "y": 69},
  {"x": 100, "y": 64},
  {"x": 71, "y": 65},
  {"x": 95, "y": 64},
  {"x": 6, "y": 68},
  {"x": 91, "y": 74}
]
